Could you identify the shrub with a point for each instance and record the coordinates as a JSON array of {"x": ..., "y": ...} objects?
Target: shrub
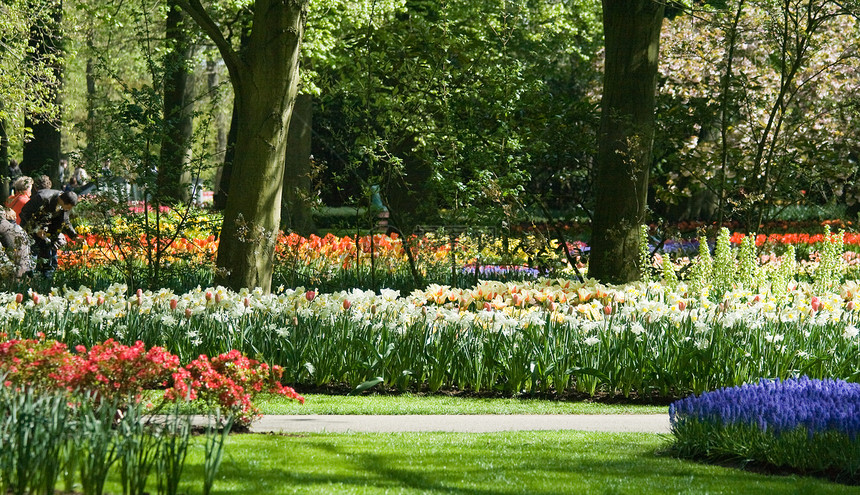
[{"x": 112, "y": 371}]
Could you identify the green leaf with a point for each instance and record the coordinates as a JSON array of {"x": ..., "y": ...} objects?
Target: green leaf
[{"x": 367, "y": 385}]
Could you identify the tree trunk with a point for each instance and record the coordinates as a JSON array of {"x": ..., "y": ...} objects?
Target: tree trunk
[
  {"x": 173, "y": 178},
  {"x": 225, "y": 171},
  {"x": 5, "y": 187},
  {"x": 265, "y": 81},
  {"x": 41, "y": 154},
  {"x": 297, "y": 170},
  {"x": 632, "y": 41}
]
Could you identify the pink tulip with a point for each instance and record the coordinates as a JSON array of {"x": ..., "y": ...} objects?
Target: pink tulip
[
  {"x": 346, "y": 304},
  {"x": 246, "y": 302},
  {"x": 682, "y": 305},
  {"x": 310, "y": 295},
  {"x": 173, "y": 304},
  {"x": 607, "y": 310},
  {"x": 19, "y": 298}
]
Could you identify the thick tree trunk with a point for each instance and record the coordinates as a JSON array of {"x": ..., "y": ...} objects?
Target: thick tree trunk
[
  {"x": 173, "y": 177},
  {"x": 632, "y": 41},
  {"x": 222, "y": 184},
  {"x": 265, "y": 93},
  {"x": 296, "y": 214}
]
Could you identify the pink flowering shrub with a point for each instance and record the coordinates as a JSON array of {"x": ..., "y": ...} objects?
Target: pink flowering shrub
[
  {"x": 113, "y": 370},
  {"x": 230, "y": 381},
  {"x": 38, "y": 363}
]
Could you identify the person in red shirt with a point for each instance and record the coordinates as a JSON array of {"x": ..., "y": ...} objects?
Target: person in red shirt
[{"x": 22, "y": 188}]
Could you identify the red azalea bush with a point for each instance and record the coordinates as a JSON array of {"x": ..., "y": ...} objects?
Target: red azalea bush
[
  {"x": 38, "y": 363},
  {"x": 114, "y": 370},
  {"x": 229, "y": 380}
]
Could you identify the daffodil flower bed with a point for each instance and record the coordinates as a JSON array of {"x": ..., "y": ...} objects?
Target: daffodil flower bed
[
  {"x": 804, "y": 424},
  {"x": 547, "y": 336}
]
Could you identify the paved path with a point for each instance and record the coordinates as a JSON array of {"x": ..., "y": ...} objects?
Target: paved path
[{"x": 313, "y": 423}]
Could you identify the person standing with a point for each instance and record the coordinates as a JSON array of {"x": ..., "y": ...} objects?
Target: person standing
[
  {"x": 63, "y": 171},
  {"x": 46, "y": 218}
]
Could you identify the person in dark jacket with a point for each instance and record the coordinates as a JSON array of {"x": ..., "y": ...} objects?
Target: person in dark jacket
[
  {"x": 46, "y": 218},
  {"x": 16, "y": 245}
]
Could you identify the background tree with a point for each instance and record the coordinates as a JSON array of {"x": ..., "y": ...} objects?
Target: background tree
[
  {"x": 173, "y": 174},
  {"x": 632, "y": 44},
  {"x": 264, "y": 93},
  {"x": 28, "y": 83},
  {"x": 779, "y": 131},
  {"x": 458, "y": 108},
  {"x": 42, "y": 147}
]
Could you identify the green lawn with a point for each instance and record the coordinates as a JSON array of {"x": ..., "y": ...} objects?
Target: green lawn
[
  {"x": 415, "y": 404},
  {"x": 549, "y": 463}
]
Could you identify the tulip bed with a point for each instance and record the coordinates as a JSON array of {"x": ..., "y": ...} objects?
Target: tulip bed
[{"x": 549, "y": 336}]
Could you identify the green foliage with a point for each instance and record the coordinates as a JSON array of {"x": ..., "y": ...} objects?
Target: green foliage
[
  {"x": 724, "y": 264},
  {"x": 830, "y": 265},
  {"x": 47, "y": 436},
  {"x": 444, "y": 101},
  {"x": 27, "y": 83},
  {"x": 703, "y": 269},
  {"x": 644, "y": 255},
  {"x": 670, "y": 277},
  {"x": 748, "y": 265},
  {"x": 831, "y": 452},
  {"x": 756, "y": 111}
]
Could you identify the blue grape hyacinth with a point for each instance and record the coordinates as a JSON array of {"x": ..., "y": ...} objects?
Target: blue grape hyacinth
[{"x": 777, "y": 406}]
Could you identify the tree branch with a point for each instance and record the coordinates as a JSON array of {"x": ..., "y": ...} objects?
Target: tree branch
[{"x": 234, "y": 64}]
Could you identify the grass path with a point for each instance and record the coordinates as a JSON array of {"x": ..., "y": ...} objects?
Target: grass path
[{"x": 415, "y": 404}]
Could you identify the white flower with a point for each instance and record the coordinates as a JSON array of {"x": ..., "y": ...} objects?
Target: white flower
[
  {"x": 850, "y": 332},
  {"x": 591, "y": 341}
]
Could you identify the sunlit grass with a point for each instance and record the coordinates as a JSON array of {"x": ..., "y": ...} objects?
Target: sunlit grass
[
  {"x": 474, "y": 464},
  {"x": 438, "y": 404}
]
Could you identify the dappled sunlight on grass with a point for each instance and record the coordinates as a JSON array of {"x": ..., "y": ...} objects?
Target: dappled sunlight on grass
[{"x": 478, "y": 464}]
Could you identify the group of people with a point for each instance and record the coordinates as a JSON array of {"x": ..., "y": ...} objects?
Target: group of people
[{"x": 36, "y": 216}]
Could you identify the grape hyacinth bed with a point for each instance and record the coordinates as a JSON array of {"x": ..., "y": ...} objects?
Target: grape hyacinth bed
[{"x": 801, "y": 424}]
